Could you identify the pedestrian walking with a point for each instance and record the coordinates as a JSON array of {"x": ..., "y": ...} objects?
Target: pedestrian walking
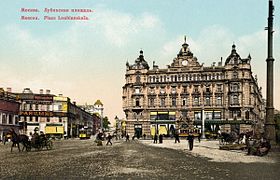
[
  {"x": 155, "y": 138},
  {"x": 177, "y": 139},
  {"x": 190, "y": 140},
  {"x": 109, "y": 139},
  {"x": 160, "y": 138},
  {"x": 144, "y": 136},
  {"x": 199, "y": 137},
  {"x": 127, "y": 137}
]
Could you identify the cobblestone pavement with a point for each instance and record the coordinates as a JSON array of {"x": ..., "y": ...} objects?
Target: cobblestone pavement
[{"x": 82, "y": 159}]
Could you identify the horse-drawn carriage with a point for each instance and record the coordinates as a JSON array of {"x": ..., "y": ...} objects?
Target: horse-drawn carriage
[{"x": 37, "y": 141}]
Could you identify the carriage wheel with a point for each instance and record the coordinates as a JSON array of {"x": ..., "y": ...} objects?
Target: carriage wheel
[{"x": 28, "y": 148}]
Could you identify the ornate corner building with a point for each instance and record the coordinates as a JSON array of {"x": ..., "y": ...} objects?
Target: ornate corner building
[{"x": 188, "y": 94}]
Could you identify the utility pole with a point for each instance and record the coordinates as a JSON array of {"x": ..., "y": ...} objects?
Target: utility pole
[{"x": 269, "y": 122}]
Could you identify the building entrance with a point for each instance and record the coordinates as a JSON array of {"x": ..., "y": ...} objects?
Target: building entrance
[{"x": 138, "y": 130}]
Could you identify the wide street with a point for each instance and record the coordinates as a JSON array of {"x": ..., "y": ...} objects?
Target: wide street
[{"x": 82, "y": 159}]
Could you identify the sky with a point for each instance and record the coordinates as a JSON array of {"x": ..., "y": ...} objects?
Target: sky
[{"x": 85, "y": 60}]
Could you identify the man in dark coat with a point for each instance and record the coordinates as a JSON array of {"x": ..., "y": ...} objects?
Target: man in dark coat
[
  {"x": 155, "y": 138},
  {"x": 177, "y": 138},
  {"x": 190, "y": 139},
  {"x": 109, "y": 139}
]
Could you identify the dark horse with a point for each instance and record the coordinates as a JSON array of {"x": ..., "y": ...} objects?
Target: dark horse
[
  {"x": 17, "y": 139},
  {"x": 229, "y": 137}
]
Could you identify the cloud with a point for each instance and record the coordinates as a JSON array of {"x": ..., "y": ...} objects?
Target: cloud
[
  {"x": 215, "y": 41},
  {"x": 84, "y": 61}
]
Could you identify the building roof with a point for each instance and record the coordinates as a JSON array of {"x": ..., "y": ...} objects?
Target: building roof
[{"x": 98, "y": 102}]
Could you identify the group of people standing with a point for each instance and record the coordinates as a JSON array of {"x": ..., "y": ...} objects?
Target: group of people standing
[{"x": 190, "y": 139}]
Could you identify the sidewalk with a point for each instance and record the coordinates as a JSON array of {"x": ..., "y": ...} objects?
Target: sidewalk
[{"x": 210, "y": 149}]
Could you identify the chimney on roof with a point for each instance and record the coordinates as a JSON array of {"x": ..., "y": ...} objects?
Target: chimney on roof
[
  {"x": 9, "y": 90},
  {"x": 48, "y": 91},
  {"x": 41, "y": 91},
  {"x": 74, "y": 102}
]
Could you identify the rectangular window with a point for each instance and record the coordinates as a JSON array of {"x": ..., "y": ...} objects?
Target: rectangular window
[
  {"x": 10, "y": 119},
  {"x": 153, "y": 117},
  {"x": 164, "y": 116},
  {"x": 219, "y": 88},
  {"x": 219, "y": 101},
  {"x": 208, "y": 115},
  {"x": 48, "y": 107},
  {"x": 217, "y": 115},
  {"x": 36, "y": 106},
  {"x": 16, "y": 120},
  {"x": 207, "y": 101},
  {"x": 4, "y": 120},
  {"x": 173, "y": 101},
  {"x": 162, "y": 102},
  {"x": 151, "y": 102},
  {"x": 196, "y": 101},
  {"x": 59, "y": 107},
  {"x": 197, "y": 116},
  {"x": 195, "y": 88},
  {"x": 24, "y": 107}
]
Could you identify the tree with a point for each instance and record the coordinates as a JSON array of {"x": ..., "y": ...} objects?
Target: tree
[{"x": 106, "y": 122}]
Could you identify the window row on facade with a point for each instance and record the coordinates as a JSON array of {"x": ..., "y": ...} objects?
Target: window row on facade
[
  {"x": 185, "y": 77},
  {"x": 42, "y": 106},
  {"x": 8, "y": 119}
]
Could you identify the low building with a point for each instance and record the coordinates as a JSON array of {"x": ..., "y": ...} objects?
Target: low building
[
  {"x": 9, "y": 110},
  {"x": 53, "y": 115},
  {"x": 96, "y": 116}
]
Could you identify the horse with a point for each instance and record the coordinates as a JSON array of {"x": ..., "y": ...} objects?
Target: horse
[
  {"x": 229, "y": 137},
  {"x": 17, "y": 139}
]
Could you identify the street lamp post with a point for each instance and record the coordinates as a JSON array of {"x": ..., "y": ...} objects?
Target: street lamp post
[
  {"x": 269, "y": 123},
  {"x": 101, "y": 119},
  {"x": 203, "y": 124}
]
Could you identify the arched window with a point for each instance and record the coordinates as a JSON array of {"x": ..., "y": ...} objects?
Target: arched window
[
  {"x": 207, "y": 101},
  {"x": 219, "y": 101},
  {"x": 184, "y": 101}
]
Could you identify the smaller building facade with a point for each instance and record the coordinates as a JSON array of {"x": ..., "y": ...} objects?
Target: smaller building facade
[
  {"x": 54, "y": 115},
  {"x": 9, "y": 110}
]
